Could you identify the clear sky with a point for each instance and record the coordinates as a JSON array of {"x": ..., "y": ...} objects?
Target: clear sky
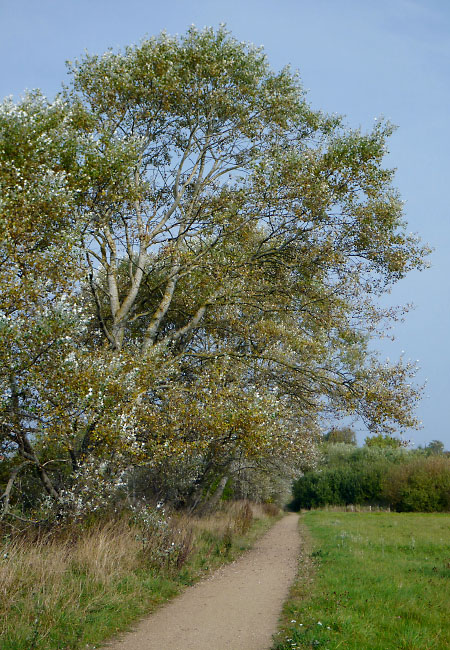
[{"x": 361, "y": 58}]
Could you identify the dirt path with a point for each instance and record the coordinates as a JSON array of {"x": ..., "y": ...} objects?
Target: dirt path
[{"x": 236, "y": 608}]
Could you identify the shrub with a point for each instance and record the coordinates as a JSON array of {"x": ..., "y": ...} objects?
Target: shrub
[
  {"x": 408, "y": 481},
  {"x": 165, "y": 542},
  {"x": 419, "y": 486},
  {"x": 270, "y": 509}
]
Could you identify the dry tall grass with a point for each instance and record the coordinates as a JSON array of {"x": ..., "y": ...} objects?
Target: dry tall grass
[
  {"x": 41, "y": 579},
  {"x": 60, "y": 584}
]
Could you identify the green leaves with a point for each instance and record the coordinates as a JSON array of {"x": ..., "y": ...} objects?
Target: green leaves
[{"x": 216, "y": 248}]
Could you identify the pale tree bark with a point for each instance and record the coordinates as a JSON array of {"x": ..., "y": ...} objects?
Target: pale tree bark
[
  {"x": 211, "y": 503},
  {"x": 121, "y": 309},
  {"x": 5, "y": 497}
]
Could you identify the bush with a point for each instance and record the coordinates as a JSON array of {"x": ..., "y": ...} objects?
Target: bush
[
  {"x": 420, "y": 486},
  {"x": 405, "y": 480},
  {"x": 165, "y": 543},
  {"x": 270, "y": 509}
]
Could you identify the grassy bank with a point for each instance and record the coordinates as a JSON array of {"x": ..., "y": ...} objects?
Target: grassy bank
[
  {"x": 371, "y": 581},
  {"x": 75, "y": 591}
]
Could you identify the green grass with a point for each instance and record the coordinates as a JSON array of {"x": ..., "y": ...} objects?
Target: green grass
[
  {"x": 371, "y": 581},
  {"x": 75, "y": 593}
]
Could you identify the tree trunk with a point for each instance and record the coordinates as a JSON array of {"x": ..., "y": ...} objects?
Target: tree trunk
[{"x": 213, "y": 501}]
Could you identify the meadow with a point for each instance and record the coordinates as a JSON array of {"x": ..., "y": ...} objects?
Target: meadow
[{"x": 370, "y": 581}]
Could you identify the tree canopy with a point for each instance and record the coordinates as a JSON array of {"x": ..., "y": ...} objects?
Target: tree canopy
[
  {"x": 341, "y": 434},
  {"x": 191, "y": 264}
]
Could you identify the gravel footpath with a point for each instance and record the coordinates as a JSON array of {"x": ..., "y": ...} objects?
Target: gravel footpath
[{"x": 236, "y": 608}]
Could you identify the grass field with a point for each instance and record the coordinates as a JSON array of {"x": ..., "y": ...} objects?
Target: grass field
[
  {"x": 73, "y": 593},
  {"x": 371, "y": 581}
]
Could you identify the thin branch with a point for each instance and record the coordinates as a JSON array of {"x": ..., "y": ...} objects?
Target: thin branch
[{"x": 5, "y": 497}]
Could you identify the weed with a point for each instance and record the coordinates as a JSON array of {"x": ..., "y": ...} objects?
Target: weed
[
  {"x": 271, "y": 509},
  {"x": 243, "y": 519},
  {"x": 227, "y": 539}
]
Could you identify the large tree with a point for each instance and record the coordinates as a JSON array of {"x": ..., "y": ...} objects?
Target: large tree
[{"x": 234, "y": 245}]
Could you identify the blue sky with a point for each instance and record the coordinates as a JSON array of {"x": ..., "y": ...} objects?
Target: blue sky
[{"x": 360, "y": 58}]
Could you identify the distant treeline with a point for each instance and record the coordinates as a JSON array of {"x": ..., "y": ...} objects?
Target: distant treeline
[{"x": 404, "y": 480}]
